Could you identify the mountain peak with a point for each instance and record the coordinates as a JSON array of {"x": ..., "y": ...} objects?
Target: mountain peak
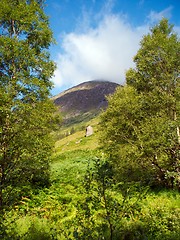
[{"x": 88, "y": 97}]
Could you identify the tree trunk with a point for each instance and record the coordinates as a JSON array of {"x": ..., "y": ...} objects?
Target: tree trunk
[
  {"x": 1, "y": 188},
  {"x": 177, "y": 129},
  {"x": 1, "y": 200},
  {"x": 178, "y": 135}
]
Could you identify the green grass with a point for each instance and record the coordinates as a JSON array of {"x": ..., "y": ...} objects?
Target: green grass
[
  {"x": 81, "y": 119},
  {"x": 58, "y": 211},
  {"x": 53, "y": 213},
  {"x": 70, "y": 167},
  {"x": 77, "y": 140}
]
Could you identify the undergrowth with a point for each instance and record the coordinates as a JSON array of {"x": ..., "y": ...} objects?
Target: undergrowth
[{"x": 75, "y": 207}]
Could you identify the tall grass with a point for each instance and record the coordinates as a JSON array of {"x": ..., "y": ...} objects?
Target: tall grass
[{"x": 66, "y": 210}]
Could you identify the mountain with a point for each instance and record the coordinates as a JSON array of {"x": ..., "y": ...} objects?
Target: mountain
[{"x": 84, "y": 100}]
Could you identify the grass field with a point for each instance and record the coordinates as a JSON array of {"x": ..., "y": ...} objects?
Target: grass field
[
  {"x": 77, "y": 140},
  {"x": 66, "y": 210}
]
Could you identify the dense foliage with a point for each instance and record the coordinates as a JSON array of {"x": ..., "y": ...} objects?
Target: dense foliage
[
  {"x": 25, "y": 109},
  {"x": 92, "y": 195},
  {"x": 83, "y": 202},
  {"x": 141, "y": 125}
]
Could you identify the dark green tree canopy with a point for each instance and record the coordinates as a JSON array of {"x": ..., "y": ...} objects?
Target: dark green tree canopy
[
  {"x": 157, "y": 61},
  {"x": 25, "y": 36},
  {"x": 141, "y": 135},
  {"x": 26, "y": 112}
]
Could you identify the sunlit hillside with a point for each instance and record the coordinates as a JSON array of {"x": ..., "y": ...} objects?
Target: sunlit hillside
[{"x": 84, "y": 101}]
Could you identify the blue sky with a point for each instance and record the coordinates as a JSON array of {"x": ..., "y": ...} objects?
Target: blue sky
[{"x": 97, "y": 39}]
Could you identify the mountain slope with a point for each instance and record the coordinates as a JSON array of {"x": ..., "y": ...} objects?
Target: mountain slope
[{"x": 87, "y": 98}]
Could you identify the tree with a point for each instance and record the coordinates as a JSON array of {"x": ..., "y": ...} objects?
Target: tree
[
  {"x": 26, "y": 112},
  {"x": 142, "y": 121}
]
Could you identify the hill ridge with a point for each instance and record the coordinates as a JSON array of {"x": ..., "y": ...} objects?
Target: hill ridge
[
  {"x": 85, "y": 98},
  {"x": 83, "y": 85}
]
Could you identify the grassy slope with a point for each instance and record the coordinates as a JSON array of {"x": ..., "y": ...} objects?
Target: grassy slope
[
  {"x": 159, "y": 212},
  {"x": 52, "y": 211},
  {"x": 77, "y": 140},
  {"x": 72, "y": 154}
]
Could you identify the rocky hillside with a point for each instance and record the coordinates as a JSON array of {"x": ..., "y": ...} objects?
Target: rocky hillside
[{"x": 85, "y": 99}]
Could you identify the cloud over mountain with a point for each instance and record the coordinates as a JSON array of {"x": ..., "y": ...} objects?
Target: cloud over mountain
[{"x": 103, "y": 50}]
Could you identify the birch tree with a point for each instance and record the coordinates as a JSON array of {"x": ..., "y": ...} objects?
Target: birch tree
[
  {"x": 142, "y": 121},
  {"x": 26, "y": 113}
]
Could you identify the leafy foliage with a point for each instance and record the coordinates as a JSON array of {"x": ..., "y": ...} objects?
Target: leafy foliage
[
  {"x": 72, "y": 210},
  {"x": 141, "y": 125},
  {"x": 26, "y": 113},
  {"x": 105, "y": 205}
]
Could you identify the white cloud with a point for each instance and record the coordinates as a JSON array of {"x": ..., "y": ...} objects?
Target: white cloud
[
  {"x": 104, "y": 52},
  {"x": 157, "y": 16}
]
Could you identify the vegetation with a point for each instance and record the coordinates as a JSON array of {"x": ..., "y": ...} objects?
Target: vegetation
[
  {"x": 73, "y": 206},
  {"x": 89, "y": 192},
  {"x": 141, "y": 125},
  {"x": 26, "y": 113},
  {"x": 84, "y": 202}
]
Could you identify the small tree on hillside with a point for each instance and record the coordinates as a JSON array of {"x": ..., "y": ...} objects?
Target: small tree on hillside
[
  {"x": 26, "y": 113},
  {"x": 141, "y": 132}
]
